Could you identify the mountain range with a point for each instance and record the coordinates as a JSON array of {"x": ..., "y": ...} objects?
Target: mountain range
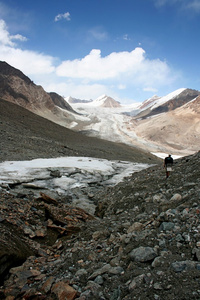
[
  {"x": 159, "y": 124},
  {"x": 172, "y": 121}
]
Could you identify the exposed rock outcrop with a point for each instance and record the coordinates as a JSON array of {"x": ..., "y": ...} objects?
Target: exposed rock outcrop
[{"x": 17, "y": 88}]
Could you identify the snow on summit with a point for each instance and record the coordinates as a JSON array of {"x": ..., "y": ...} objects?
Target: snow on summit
[
  {"x": 166, "y": 98},
  {"x": 105, "y": 101}
]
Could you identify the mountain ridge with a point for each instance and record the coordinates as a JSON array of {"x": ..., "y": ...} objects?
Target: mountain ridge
[
  {"x": 164, "y": 104},
  {"x": 17, "y": 88},
  {"x": 105, "y": 117},
  {"x": 102, "y": 101}
]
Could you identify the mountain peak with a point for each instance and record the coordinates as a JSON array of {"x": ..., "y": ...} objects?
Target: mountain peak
[
  {"x": 17, "y": 88},
  {"x": 154, "y": 106},
  {"x": 8, "y": 70},
  {"x": 106, "y": 101}
]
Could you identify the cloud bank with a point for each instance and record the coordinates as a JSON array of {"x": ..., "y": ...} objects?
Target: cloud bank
[{"x": 116, "y": 74}]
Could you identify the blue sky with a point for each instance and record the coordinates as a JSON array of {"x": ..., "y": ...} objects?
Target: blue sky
[{"x": 127, "y": 49}]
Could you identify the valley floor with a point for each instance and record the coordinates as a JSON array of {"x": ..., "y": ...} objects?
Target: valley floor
[{"x": 114, "y": 125}]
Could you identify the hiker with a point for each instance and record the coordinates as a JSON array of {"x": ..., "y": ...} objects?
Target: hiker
[{"x": 168, "y": 163}]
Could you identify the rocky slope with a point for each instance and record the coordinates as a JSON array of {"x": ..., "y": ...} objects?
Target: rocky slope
[
  {"x": 25, "y": 136},
  {"x": 17, "y": 88},
  {"x": 176, "y": 130},
  {"x": 142, "y": 243}
]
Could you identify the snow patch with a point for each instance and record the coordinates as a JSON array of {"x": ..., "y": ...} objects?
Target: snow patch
[{"x": 37, "y": 169}]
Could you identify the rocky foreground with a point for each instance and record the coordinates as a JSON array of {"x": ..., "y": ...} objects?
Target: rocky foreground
[{"x": 142, "y": 243}]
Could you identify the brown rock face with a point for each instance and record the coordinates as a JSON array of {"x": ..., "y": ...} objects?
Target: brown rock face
[
  {"x": 17, "y": 88},
  {"x": 13, "y": 250},
  {"x": 64, "y": 291},
  {"x": 110, "y": 102},
  {"x": 185, "y": 97}
]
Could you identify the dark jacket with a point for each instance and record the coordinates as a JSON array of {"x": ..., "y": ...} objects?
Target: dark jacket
[{"x": 169, "y": 161}]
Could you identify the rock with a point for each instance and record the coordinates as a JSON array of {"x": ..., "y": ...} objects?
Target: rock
[
  {"x": 196, "y": 252},
  {"x": 55, "y": 173},
  {"x": 137, "y": 226},
  {"x": 157, "y": 286},
  {"x": 81, "y": 272},
  {"x": 116, "y": 295},
  {"x": 93, "y": 287},
  {"x": 99, "y": 234},
  {"x": 107, "y": 269},
  {"x": 179, "y": 238},
  {"x": 187, "y": 237},
  {"x": 180, "y": 266},
  {"x": 159, "y": 198},
  {"x": 13, "y": 250},
  {"x": 165, "y": 226},
  {"x": 46, "y": 287},
  {"x": 143, "y": 254},
  {"x": 176, "y": 198},
  {"x": 99, "y": 280},
  {"x": 29, "y": 232},
  {"x": 158, "y": 262},
  {"x": 63, "y": 291},
  {"x": 136, "y": 282}
]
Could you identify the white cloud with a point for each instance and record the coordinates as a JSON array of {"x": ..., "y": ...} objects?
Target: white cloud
[
  {"x": 119, "y": 72},
  {"x": 121, "y": 86},
  {"x": 122, "y": 67},
  {"x": 95, "y": 67},
  {"x": 19, "y": 37},
  {"x": 98, "y": 34},
  {"x": 65, "y": 16},
  {"x": 29, "y": 62},
  {"x": 169, "y": 2},
  {"x": 160, "y": 2},
  {"x": 150, "y": 89},
  {"x": 78, "y": 90},
  {"x": 93, "y": 75},
  {"x": 6, "y": 38},
  {"x": 126, "y": 37},
  {"x": 192, "y": 5}
]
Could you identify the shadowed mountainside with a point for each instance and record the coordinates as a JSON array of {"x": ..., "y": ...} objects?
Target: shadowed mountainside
[
  {"x": 25, "y": 135},
  {"x": 17, "y": 88}
]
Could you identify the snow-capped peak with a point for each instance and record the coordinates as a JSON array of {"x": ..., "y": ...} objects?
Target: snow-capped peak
[
  {"x": 102, "y": 98},
  {"x": 149, "y": 102},
  {"x": 106, "y": 101},
  {"x": 166, "y": 98}
]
